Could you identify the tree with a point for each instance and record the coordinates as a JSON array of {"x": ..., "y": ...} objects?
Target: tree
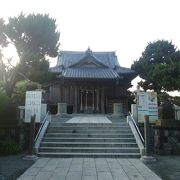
[
  {"x": 5, "y": 100},
  {"x": 19, "y": 93},
  {"x": 35, "y": 38},
  {"x": 159, "y": 66},
  {"x": 3, "y": 43}
]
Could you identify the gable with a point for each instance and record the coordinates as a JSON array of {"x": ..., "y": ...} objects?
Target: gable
[{"x": 89, "y": 62}]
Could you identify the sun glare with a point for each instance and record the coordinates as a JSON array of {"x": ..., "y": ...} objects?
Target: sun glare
[{"x": 11, "y": 54}]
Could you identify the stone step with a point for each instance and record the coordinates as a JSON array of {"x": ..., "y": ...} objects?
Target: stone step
[
  {"x": 88, "y": 124},
  {"x": 87, "y": 144},
  {"x": 102, "y": 135},
  {"x": 58, "y": 117},
  {"x": 51, "y": 126},
  {"x": 64, "y": 139},
  {"x": 127, "y": 131},
  {"x": 87, "y": 128},
  {"x": 117, "y": 119},
  {"x": 90, "y": 149},
  {"x": 66, "y": 121},
  {"x": 89, "y": 155},
  {"x": 58, "y": 139}
]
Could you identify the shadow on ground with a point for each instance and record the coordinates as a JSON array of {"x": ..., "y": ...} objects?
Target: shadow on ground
[
  {"x": 13, "y": 166},
  {"x": 167, "y": 167}
]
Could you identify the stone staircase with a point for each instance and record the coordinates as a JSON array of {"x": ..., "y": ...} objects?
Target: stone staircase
[{"x": 88, "y": 139}]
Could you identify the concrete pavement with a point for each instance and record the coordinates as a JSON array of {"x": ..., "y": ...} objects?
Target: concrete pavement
[{"x": 88, "y": 169}]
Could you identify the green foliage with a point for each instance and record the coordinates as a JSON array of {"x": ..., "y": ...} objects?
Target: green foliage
[
  {"x": 7, "y": 110},
  {"x": 35, "y": 38},
  {"x": 4, "y": 102},
  {"x": 18, "y": 96},
  {"x": 176, "y": 100},
  {"x": 9, "y": 146},
  {"x": 159, "y": 66},
  {"x": 3, "y": 40},
  {"x": 40, "y": 72},
  {"x": 33, "y": 35},
  {"x": 164, "y": 98},
  {"x": 166, "y": 102}
]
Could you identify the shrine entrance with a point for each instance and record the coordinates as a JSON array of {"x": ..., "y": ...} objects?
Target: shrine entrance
[{"x": 89, "y": 100}]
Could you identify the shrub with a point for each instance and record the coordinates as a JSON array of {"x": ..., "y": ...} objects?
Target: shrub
[
  {"x": 9, "y": 146},
  {"x": 18, "y": 96},
  {"x": 4, "y": 102},
  {"x": 166, "y": 102},
  {"x": 176, "y": 100}
]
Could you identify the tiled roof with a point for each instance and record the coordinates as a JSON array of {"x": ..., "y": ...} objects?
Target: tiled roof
[
  {"x": 124, "y": 70},
  {"x": 68, "y": 58},
  {"x": 91, "y": 73},
  {"x": 75, "y": 64},
  {"x": 56, "y": 69}
]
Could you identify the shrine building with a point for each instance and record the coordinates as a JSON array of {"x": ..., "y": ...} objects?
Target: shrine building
[{"x": 89, "y": 82}]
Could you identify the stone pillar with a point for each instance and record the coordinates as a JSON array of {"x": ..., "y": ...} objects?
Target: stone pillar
[
  {"x": 134, "y": 111},
  {"x": 62, "y": 108},
  {"x": 97, "y": 100},
  {"x": 93, "y": 100},
  {"x": 81, "y": 108},
  {"x": 71, "y": 95},
  {"x": 177, "y": 112},
  {"x": 117, "y": 109},
  {"x": 102, "y": 100},
  {"x": 21, "y": 114},
  {"x": 86, "y": 92},
  {"x": 147, "y": 158},
  {"x": 146, "y": 135},
  {"x": 61, "y": 94},
  {"x": 22, "y": 137},
  {"x": 75, "y": 99},
  {"x": 160, "y": 112},
  {"x": 43, "y": 111},
  {"x": 31, "y": 135}
]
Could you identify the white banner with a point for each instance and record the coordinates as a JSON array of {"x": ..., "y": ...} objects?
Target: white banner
[{"x": 33, "y": 105}]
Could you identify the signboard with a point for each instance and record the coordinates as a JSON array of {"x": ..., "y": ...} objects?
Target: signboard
[
  {"x": 147, "y": 105},
  {"x": 33, "y": 105},
  {"x": 153, "y": 106}
]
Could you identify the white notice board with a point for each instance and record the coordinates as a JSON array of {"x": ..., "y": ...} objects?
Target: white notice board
[
  {"x": 147, "y": 105},
  {"x": 33, "y": 105}
]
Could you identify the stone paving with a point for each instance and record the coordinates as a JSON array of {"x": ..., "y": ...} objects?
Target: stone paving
[
  {"x": 88, "y": 169},
  {"x": 89, "y": 119}
]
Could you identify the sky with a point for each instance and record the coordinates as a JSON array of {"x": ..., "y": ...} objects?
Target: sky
[{"x": 124, "y": 26}]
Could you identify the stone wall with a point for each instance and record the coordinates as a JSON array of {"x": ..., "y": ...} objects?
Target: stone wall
[
  {"x": 19, "y": 133},
  {"x": 151, "y": 132},
  {"x": 167, "y": 140},
  {"x": 163, "y": 140}
]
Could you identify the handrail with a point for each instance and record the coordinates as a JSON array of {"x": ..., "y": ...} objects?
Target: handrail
[
  {"x": 137, "y": 129},
  {"x": 41, "y": 127},
  {"x": 41, "y": 132}
]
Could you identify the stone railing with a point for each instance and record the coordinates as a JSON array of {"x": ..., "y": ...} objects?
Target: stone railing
[
  {"x": 41, "y": 132},
  {"x": 136, "y": 132}
]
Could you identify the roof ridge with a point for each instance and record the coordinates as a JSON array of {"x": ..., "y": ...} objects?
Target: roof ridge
[{"x": 83, "y": 52}]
